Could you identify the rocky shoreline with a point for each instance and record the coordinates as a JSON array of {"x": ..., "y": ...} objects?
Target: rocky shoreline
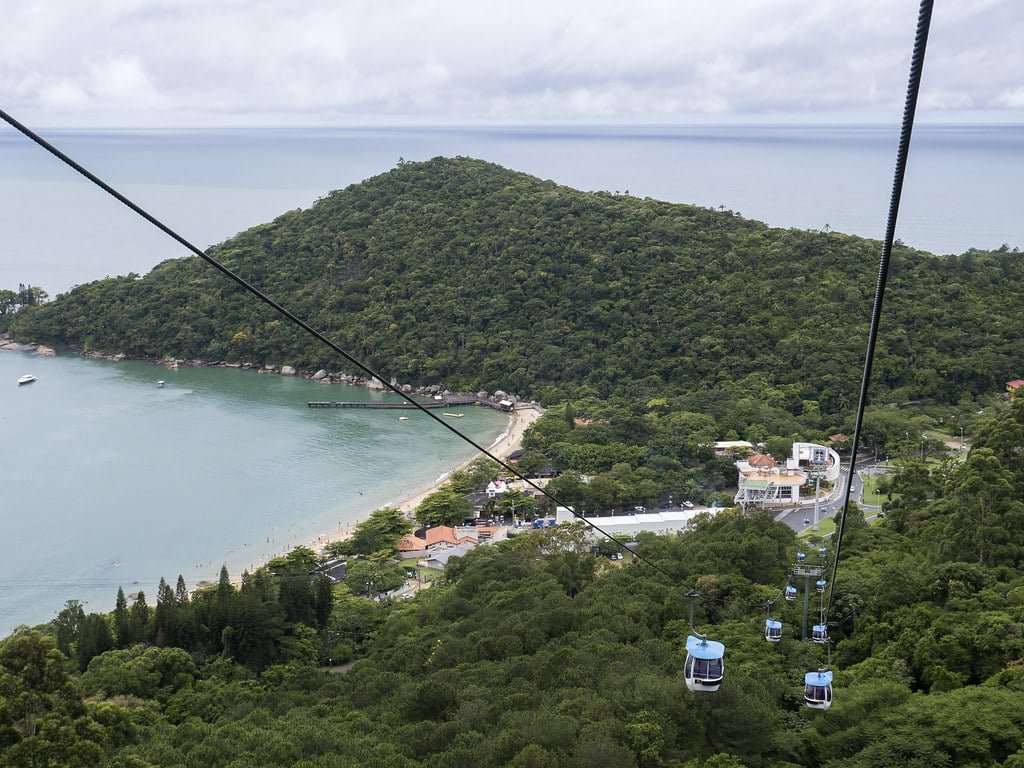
[
  {"x": 9, "y": 345},
  {"x": 322, "y": 376}
]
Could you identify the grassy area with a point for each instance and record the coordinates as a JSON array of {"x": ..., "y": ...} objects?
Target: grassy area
[
  {"x": 826, "y": 527},
  {"x": 871, "y": 495}
]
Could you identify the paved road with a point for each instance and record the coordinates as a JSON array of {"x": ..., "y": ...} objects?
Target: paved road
[{"x": 802, "y": 517}]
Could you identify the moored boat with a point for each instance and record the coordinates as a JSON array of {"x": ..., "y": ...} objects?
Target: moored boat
[{"x": 28, "y": 378}]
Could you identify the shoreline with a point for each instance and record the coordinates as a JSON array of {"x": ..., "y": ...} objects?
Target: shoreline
[
  {"x": 507, "y": 441},
  {"x": 504, "y": 444}
]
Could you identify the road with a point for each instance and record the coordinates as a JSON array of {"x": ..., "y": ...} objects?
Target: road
[{"x": 802, "y": 517}]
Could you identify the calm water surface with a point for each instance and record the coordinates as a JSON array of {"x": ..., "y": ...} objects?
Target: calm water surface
[
  {"x": 109, "y": 480},
  {"x": 961, "y": 189}
]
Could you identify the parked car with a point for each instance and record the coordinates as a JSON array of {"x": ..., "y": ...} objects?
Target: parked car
[{"x": 688, "y": 504}]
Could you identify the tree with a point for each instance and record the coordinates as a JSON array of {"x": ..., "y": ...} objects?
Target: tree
[
  {"x": 323, "y": 600},
  {"x": 31, "y": 295},
  {"x": 444, "y": 507},
  {"x": 474, "y": 477},
  {"x": 43, "y": 720},
  {"x": 980, "y": 517},
  {"x": 95, "y": 639},
  {"x": 8, "y": 302},
  {"x": 378, "y": 532},
  {"x": 165, "y": 616},
  {"x": 181, "y": 591},
  {"x": 909, "y": 493},
  {"x": 68, "y": 626},
  {"x": 516, "y": 503},
  {"x": 373, "y": 576},
  {"x": 138, "y": 619},
  {"x": 122, "y": 632}
]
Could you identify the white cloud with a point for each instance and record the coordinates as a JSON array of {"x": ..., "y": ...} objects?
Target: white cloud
[
  {"x": 62, "y": 94},
  {"x": 1012, "y": 98},
  {"x": 256, "y": 61},
  {"x": 123, "y": 81}
]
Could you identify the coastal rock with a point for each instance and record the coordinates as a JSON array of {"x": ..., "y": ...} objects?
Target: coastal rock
[
  {"x": 320, "y": 375},
  {"x": 287, "y": 370},
  {"x": 118, "y": 357},
  {"x": 407, "y": 388},
  {"x": 45, "y": 351},
  {"x": 500, "y": 394},
  {"x": 481, "y": 395},
  {"x": 375, "y": 384},
  {"x": 14, "y": 346}
]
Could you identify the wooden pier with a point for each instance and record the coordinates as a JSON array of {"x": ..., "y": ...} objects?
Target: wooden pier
[{"x": 449, "y": 402}]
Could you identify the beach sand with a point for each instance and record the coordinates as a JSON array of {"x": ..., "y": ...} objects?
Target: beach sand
[{"x": 506, "y": 442}]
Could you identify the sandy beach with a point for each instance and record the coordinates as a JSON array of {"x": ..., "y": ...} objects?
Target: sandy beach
[{"x": 506, "y": 442}]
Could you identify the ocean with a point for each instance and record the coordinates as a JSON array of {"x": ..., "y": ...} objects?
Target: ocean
[
  {"x": 960, "y": 191},
  {"x": 108, "y": 480}
]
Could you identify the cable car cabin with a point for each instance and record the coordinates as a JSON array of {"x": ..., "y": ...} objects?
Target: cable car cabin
[
  {"x": 822, "y": 551},
  {"x": 800, "y": 557},
  {"x": 819, "y": 585},
  {"x": 772, "y": 630},
  {"x": 705, "y": 664},
  {"x": 818, "y": 689},
  {"x": 819, "y": 633},
  {"x": 790, "y": 592}
]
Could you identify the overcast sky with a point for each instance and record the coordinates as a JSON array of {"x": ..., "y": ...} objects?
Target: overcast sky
[{"x": 180, "y": 63}]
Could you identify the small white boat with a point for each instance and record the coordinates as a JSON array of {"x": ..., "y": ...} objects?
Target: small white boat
[
  {"x": 403, "y": 418},
  {"x": 28, "y": 378},
  {"x": 454, "y": 415},
  {"x": 160, "y": 384}
]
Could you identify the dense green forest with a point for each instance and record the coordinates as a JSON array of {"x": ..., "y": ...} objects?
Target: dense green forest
[
  {"x": 537, "y": 652},
  {"x": 461, "y": 272},
  {"x": 650, "y": 330},
  {"x": 664, "y": 327}
]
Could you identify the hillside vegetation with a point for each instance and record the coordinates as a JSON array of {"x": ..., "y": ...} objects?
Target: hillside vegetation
[
  {"x": 461, "y": 272},
  {"x": 650, "y": 329},
  {"x": 536, "y": 652}
]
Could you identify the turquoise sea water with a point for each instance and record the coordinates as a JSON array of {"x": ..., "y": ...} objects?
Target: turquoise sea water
[{"x": 111, "y": 481}]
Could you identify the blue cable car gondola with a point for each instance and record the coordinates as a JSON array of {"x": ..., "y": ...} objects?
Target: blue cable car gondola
[
  {"x": 790, "y": 592},
  {"x": 822, "y": 551},
  {"x": 800, "y": 557},
  {"x": 705, "y": 664},
  {"x": 818, "y": 689},
  {"x": 819, "y": 585},
  {"x": 772, "y": 630},
  {"x": 819, "y": 633}
]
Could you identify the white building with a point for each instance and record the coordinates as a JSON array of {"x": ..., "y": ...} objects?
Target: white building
[
  {"x": 733, "y": 447},
  {"x": 762, "y": 483},
  {"x": 496, "y": 488},
  {"x": 813, "y": 458},
  {"x": 666, "y": 521}
]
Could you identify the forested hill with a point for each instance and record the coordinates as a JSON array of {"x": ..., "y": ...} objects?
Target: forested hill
[{"x": 463, "y": 272}]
